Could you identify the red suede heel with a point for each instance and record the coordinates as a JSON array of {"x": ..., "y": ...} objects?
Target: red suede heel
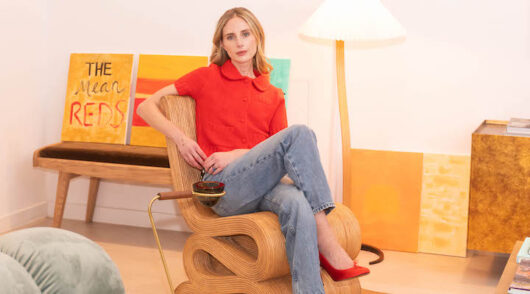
[{"x": 339, "y": 275}]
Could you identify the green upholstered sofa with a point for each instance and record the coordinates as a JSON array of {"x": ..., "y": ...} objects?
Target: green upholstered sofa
[{"x": 49, "y": 260}]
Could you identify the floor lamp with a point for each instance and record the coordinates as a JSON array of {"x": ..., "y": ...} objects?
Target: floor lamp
[{"x": 361, "y": 22}]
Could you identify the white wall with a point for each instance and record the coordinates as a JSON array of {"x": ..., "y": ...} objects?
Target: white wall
[
  {"x": 23, "y": 96},
  {"x": 463, "y": 61}
]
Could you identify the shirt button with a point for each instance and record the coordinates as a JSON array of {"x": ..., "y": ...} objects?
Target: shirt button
[
  {"x": 242, "y": 120},
  {"x": 245, "y": 99},
  {"x": 244, "y": 140}
]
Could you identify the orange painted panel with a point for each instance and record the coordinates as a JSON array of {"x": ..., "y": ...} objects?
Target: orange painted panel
[
  {"x": 154, "y": 73},
  {"x": 386, "y": 194}
]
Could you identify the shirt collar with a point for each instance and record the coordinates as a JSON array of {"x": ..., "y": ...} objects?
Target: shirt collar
[{"x": 229, "y": 71}]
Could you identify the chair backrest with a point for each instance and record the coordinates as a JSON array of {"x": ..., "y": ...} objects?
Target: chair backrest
[{"x": 180, "y": 110}]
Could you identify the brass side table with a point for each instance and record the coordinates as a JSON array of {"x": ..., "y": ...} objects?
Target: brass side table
[{"x": 499, "y": 193}]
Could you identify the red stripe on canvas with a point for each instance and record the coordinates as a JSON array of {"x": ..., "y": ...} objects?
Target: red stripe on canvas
[
  {"x": 137, "y": 120},
  {"x": 150, "y": 86}
]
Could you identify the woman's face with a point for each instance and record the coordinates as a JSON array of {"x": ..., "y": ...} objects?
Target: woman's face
[{"x": 238, "y": 41}]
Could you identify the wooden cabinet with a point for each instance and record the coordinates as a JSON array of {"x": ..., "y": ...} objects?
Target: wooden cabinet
[{"x": 499, "y": 196}]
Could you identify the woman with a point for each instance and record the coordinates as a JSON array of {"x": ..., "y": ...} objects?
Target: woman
[{"x": 243, "y": 141}]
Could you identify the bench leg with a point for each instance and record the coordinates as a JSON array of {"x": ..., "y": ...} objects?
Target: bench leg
[
  {"x": 60, "y": 198},
  {"x": 92, "y": 196}
]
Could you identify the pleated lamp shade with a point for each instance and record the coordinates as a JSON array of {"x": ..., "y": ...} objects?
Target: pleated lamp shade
[{"x": 353, "y": 20}]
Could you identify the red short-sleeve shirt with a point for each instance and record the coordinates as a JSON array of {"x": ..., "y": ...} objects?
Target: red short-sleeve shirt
[{"x": 232, "y": 111}]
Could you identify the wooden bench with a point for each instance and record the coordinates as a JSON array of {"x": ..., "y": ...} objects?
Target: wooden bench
[{"x": 136, "y": 164}]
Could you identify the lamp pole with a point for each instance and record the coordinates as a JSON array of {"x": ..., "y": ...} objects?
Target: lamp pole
[
  {"x": 345, "y": 135},
  {"x": 344, "y": 122}
]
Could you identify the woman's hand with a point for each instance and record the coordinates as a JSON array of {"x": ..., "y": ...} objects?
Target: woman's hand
[
  {"x": 190, "y": 151},
  {"x": 219, "y": 160}
]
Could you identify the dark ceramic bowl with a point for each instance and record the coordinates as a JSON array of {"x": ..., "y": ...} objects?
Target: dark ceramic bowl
[{"x": 203, "y": 188}]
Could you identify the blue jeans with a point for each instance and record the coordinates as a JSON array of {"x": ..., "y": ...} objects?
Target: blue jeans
[{"x": 252, "y": 183}]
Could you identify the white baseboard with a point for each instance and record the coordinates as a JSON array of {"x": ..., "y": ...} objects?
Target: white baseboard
[
  {"x": 121, "y": 216},
  {"x": 23, "y": 217}
]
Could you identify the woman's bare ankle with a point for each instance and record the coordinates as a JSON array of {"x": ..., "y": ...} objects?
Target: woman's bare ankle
[
  {"x": 336, "y": 255},
  {"x": 329, "y": 245}
]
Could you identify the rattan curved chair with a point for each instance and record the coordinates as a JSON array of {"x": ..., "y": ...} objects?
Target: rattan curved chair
[{"x": 245, "y": 253}]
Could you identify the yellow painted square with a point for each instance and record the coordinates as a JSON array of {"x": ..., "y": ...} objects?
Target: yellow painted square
[
  {"x": 444, "y": 204},
  {"x": 97, "y": 98},
  {"x": 147, "y": 136}
]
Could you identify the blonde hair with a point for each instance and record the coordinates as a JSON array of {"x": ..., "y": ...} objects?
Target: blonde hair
[{"x": 219, "y": 55}]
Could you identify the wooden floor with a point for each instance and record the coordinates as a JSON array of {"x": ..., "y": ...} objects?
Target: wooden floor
[{"x": 134, "y": 251}]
